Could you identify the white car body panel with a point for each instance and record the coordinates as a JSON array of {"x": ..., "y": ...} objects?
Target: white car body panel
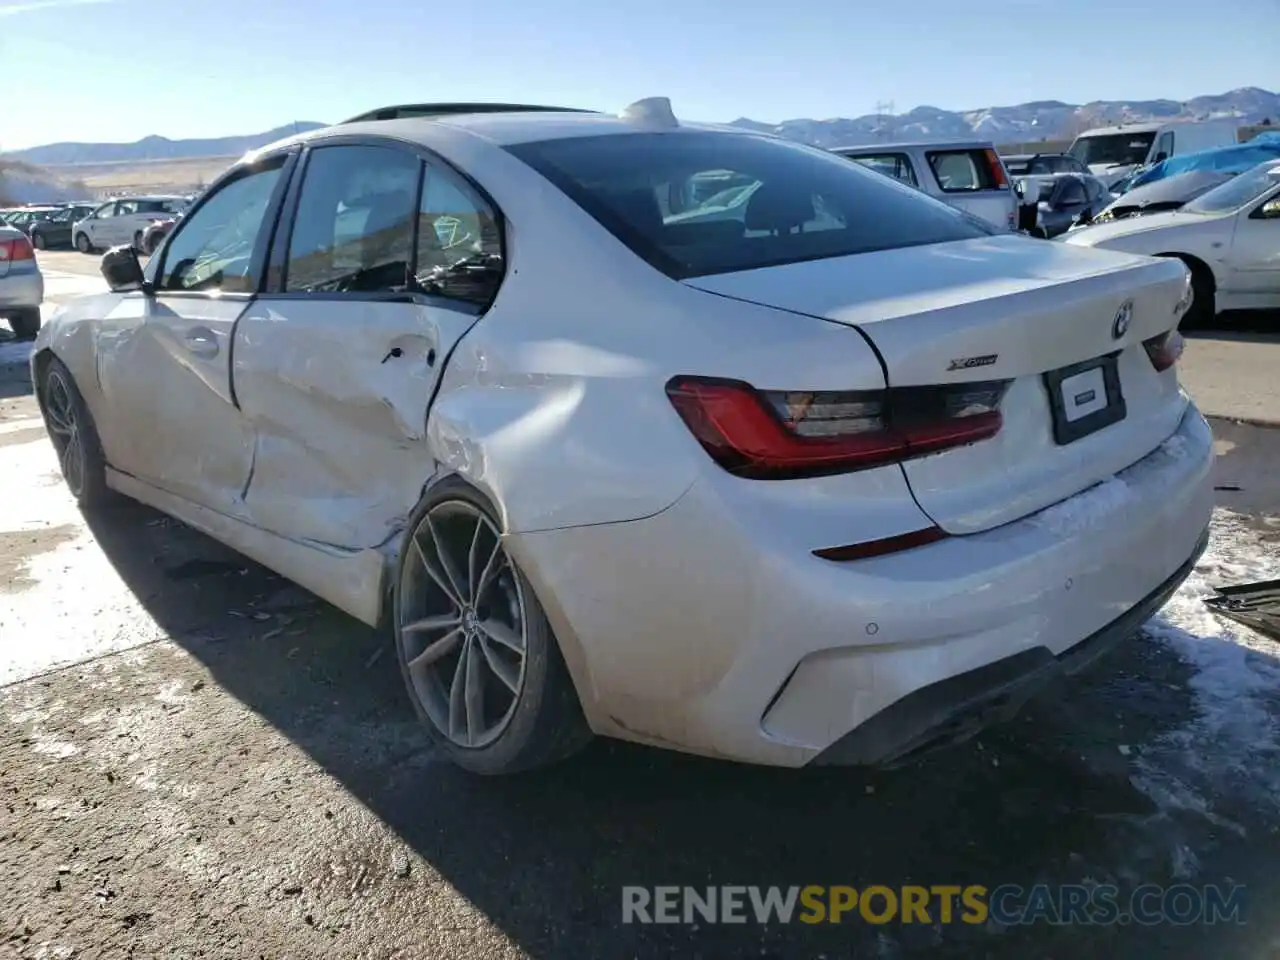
[
  {"x": 1242, "y": 252},
  {"x": 687, "y": 602}
]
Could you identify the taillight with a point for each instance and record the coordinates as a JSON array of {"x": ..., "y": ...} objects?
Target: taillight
[
  {"x": 997, "y": 168},
  {"x": 777, "y": 435},
  {"x": 16, "y": 249},
  {"x": 1165, "y": 350}
]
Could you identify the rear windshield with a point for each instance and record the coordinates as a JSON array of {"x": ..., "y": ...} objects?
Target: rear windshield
[{"x": 694, "y": 203}]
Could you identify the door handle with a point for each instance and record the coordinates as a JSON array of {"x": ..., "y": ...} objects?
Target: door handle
[{"x": 201, "y": 342}]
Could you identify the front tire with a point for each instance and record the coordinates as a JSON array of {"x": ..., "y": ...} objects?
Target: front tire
[
  {"x": 74, "y": 436},
  {"x": 479, "y": 659},
  {"x": 137, "y": 241},
  {"x": 25, "y": 323},
  {"x": 38, "y": 241},
  {"x": 83, "y": 244}
]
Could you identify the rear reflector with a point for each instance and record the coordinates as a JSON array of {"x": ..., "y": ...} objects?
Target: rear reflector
[
  {"x": 17, "y": 249},
  {"x": 878, "y": 548},
  {"x": 1165, "y": 350},
  {"x": 778, "y": 435}
]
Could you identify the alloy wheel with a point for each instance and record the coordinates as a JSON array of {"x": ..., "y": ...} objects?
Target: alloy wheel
[
  {"x": 65, "y": 430},
  {"x": 462, "y": 624}
]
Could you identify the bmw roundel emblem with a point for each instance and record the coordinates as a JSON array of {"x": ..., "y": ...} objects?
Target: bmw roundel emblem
[{"x": 1120, "y": 326}]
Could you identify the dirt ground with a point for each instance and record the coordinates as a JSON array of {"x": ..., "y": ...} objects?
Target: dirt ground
[{"x": 200, "y": 760}]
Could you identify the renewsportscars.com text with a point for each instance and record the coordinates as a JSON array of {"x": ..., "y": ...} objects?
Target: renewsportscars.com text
[{"x": 1008, "y": 904}]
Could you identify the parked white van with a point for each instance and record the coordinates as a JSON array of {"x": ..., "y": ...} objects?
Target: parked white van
[{"x": 1112, "y": 153}]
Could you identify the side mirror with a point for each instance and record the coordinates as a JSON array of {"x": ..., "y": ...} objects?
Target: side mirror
[
  {"x": 121, "y": 269},
  {"x": 1160, "y": 156},
  {"x": 1270, "y": 210}
]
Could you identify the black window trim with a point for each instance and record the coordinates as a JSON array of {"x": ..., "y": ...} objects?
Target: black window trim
[
  {"x": 258, "y": 261},
  {"x": 277, "y": 273}
]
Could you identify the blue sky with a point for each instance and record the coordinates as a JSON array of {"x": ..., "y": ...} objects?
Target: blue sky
[{"x": 121, "y": 69}]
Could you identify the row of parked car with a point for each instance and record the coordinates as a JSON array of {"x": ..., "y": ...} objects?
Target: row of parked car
[
  {"x": 140, "y": 222},
  {"x": 1231, "y": 241}
]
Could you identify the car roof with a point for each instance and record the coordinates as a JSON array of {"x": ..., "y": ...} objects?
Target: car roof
[
  {"x": 916, "y": 145},
  {"x": 499, "y": 128}
]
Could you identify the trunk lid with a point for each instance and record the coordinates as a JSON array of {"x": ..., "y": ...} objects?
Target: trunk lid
[{"x": 1004, "y": 308}]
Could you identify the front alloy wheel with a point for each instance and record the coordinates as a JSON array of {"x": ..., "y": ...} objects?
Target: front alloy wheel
[
  {"x": 463, "y": 626},
  {"x": 62, "y": 418}
]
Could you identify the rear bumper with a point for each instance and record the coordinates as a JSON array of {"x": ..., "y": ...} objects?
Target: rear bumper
[
  {"x": 21, "y": 290},
  {"x": 953, "y": 710},
  {"x": 703, "y": 628}
]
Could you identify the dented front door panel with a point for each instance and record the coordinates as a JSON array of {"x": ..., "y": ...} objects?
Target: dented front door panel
[
  {"x": 164, "y": 366},
  {"x": 336, "y": 392}
]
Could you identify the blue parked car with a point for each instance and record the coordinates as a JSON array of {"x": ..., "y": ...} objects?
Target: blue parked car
[{"x": 1234, "y": 159}]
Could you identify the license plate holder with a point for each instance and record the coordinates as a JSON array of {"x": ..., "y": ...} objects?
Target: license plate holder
[{"x": 1085, "y": 397}]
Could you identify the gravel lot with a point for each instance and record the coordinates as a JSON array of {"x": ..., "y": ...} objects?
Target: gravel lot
[{"x": 203, "y": 761}]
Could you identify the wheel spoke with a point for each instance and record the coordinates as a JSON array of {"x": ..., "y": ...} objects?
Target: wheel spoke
[
  {"x": 446, "y": 564},
  {"x": 491, "y": 568},
  {"x": 474, "y": 694},
  {"x": 441, "y": 581},
  {"x": 457, "y": 697},
  {"x": 435, "y": 650},
  {"x": 499, "y": 632},
  {"x": 509, "y": 675},
  {"x": 429, "y": 624},
  {"x": 471, "y": 559}
]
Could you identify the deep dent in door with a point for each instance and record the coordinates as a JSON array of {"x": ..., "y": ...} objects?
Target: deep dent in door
[{"x": 338, "y": 406}]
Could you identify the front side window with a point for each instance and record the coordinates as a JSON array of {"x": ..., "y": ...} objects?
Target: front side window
[
  {"x": 459, "y": 241},
  {"x": 894, "y": 165},
  {"x": 1164, "y": 149},
  {"x": 126, "y": 207},
  {"x": 106, "y": 210},
  {"x": 353, "y": 232},
  {"x": 214, "y": 248},
  {"x": 791, "y": 202}
]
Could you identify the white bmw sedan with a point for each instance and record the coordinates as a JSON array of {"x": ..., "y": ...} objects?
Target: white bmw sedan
[{"x": 830, "y": 475}]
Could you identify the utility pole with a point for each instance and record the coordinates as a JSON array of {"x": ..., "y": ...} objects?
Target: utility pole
[{"x": 884, "y": 113}]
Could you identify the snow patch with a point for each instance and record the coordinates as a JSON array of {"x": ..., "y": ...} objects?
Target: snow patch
[{"x": 1232, "y": 745}]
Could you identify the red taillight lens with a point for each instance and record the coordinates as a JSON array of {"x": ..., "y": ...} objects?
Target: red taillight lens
[
  {"x": 997, "y": 169},
  {"x": 776, "y": 435},
  {"x": 1165, "y": 350},
  {"x": 16, "y": 249}
]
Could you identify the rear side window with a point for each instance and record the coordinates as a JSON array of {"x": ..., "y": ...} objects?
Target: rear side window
[
  {"x": 353, "y": 232},
  {"x": 962, "y": 171},
  {"x": 894, "y": 165},
  {"x": 694, "y": 203}
]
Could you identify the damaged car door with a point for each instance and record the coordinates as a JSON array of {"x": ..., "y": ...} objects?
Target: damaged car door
[
  {"x": 164, "y": 355},
  {"x": 388, "y": 260}
]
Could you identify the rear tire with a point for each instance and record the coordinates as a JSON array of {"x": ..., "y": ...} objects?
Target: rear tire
[
  {"x": 38, "y": 241},
  {"x": 486, "y": 678},
  {"x": 25, "y": 323},
  {"x": 74, "y": 436},
  {"x": 83, "y": 244},
  {"x": 1203, "y": 310}
]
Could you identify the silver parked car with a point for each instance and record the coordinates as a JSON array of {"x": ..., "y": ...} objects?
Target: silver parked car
[
  {"x": 967, "y": 174},
  {"x": 21, "y": 284}
]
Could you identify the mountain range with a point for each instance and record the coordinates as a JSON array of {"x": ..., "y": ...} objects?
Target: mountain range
[{"x": 1037, "y": 120}]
